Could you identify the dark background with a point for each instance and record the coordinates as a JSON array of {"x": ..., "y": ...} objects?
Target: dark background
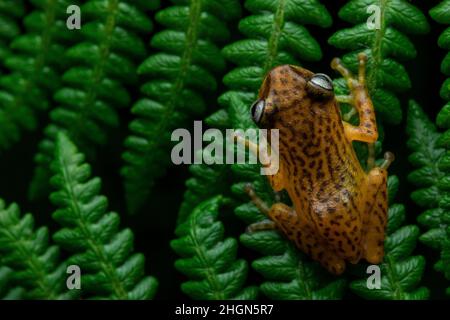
[{"x": 154, "y": 225}]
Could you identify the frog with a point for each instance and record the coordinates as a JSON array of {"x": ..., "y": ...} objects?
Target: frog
[{"x": 339, "y": 209}]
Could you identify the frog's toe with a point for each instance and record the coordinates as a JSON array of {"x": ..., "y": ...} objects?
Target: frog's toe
[
  {"x": 337, "y": 267},
  {"x": 332, "y": 263},
  {"x": 375, "y": 257}
]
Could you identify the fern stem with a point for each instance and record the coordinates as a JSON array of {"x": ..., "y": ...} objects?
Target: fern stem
[
  {"x": 98, "y": 71},
  {"x": 376, "y": 47},
  {"x": 301, "y": 275},
  {"x": 211, "y": 274},
  {"x": 391, "y": 274},
  {"x": 39, "y": 63},
  {"x": 275, "y": 35},
  {"x": 195, "y": 10}
]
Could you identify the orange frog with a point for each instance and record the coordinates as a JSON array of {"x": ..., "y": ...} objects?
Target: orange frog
[{"x": 339, "y": 210}]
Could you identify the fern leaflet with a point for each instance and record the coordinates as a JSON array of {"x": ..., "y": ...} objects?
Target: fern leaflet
[
  {"x": 95, "y": 85},
  {"x": 103, "y": 252}
]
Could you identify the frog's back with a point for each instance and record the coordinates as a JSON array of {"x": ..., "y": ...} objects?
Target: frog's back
[{"x": 322, "y": 173}]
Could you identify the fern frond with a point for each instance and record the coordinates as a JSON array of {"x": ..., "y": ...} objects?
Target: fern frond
[
  {"x": 35, "y": 65},
  {"x": 28, "y": 253},
  {"x": 10, "y": 12},
  {"x": 96, "y": 84},
  {"x": 431, "y": 177},
  {"x": 199, "y": 186},
  {"x": 401, "y": 273},
  {"x": 209, "y": 260},
  {"x": 101, "y": 250},
  {"x": 384, "y": 46},
  {"x": 185, "y": 67},
  {"x": 7, "y": 290},
  {"x": 441, "y": 13}
]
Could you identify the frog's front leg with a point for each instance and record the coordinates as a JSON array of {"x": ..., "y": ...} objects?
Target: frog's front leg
[
  {"x": 299, "y": 231},
  {"x": 359, "y": 97},
  {"x": 275, "y": 180},
  {"x": 375, "y": 212}
]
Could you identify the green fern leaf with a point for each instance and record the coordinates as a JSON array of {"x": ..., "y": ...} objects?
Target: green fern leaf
[
  {"x": 400, "y": 272},
  {"x": 27, "y": 252},
  {"x": 35, "y": 64},
  {"x": 427, "y": 143},
  {"x": 186, "y": 65},
  {"x": 96, "y": 84},
  {"x": 103, "y": 253},
  {"x": 7, "y": 291},
  {"x": 441, "y": 12},
  {"x": 209, "y": 260},
  {"x": 438, "y": 220},
  {"x": 10, "y": 12},
  {"x": 385, "y": 76},
  {"x": 198, "y": 186}
]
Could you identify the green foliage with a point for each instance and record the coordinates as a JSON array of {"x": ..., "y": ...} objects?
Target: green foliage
[
  {"x": 104, "y": 254},
  {"x": 209, "y": 260},
  {"x": 441, "y": 13},
  {"x": 27, "y": 251},
  {"x": 10, "y": 12},
  {"x": 384, "y": 46},
  {"x": 400, "y": 272},
  {"x": 102, "y": 68},
  {"x": 35, "y": 66},
  {"x": 183, "y": 69},
  {"x": 7, "y": 291},
  {"x": 432, "y": 178}
]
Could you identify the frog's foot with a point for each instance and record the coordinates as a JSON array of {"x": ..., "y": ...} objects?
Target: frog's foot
[
  {"x": 261, "y": 226},
  {"x": 388, "y": 159},
  {"x": 257, "y": 201},
  {"x": 359, "y": 98},
  {"x": 352, "y": 82}
]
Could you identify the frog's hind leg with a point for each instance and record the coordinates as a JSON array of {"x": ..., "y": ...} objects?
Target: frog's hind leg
[
  {"x": 366, "y": 131},
  {"x": 375, "y": 214},
  {"x": 298, "y": 230},
  {"x": 306, "y": 239}
]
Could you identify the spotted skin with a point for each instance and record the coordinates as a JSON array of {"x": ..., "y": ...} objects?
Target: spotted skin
[{"x": 339, "y": 211}]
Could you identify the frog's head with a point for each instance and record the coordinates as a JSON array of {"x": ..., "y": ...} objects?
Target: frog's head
[{"x": 290, "y": 94}]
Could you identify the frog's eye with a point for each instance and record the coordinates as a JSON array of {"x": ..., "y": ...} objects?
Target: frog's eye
[
  {"x": 258, "y": 110},
  {"x": 322, "y": 81}
]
